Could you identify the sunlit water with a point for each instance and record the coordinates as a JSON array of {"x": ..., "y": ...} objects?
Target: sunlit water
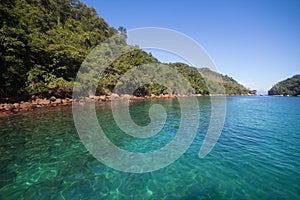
[{"x": 256, "y": 157}]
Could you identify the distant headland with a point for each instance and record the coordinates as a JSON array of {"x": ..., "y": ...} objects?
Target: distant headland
[{"x": 288, "y": 87}]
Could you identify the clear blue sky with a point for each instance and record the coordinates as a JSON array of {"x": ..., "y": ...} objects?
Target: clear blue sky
[{"x": 257, "y": 42}]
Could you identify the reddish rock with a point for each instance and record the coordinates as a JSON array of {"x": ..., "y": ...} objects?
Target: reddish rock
[
  {"x": 115, "y": 97},
  {"x": 52, "y": 99},
  {"x": 26, "y": 106},
  {"x": 102, "y": 98},
  {"x": 38, "y": 101},
  {"x": 135, "y": 98},
  {"x": 8, "y": 107},
  {"x": 45, "y": 102},
  {"x": 64, "y": 101},
  {"x": 58, "y": 101},
  {"x": 97, "y": 98},
  {"x": 125, "y": 97},
  {"x": 16, "y": 106},
  {"x": 108, "y": 98}
]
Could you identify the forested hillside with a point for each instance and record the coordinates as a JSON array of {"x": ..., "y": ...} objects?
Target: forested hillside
[
  {"x": 44, "y": 42},
  {"x": 290, "y": 86},
  {"x": 231, "y": 86}
]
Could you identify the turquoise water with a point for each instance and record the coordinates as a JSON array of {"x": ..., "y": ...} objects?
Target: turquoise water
[{"x": 256, "y": 157}]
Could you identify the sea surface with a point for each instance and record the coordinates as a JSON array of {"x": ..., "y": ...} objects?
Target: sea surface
[{"x": 256, "y": 157}]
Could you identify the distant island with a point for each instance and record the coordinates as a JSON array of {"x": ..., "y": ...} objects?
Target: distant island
[
  {"x": 43, "y": 44},
  {"x": 288, "y": 87}
]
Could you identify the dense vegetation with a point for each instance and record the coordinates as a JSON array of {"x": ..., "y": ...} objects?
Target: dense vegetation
[
  {"x": 290, "y": 86},
  {"x": 44, "y": 42},
  {"x": 230, "y": 85}
]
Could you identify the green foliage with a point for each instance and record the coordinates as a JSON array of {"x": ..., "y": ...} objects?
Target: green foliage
[
  {"x": 290, "y": 86},
  {"x": 193, "y": 77},
  {"x": 44, "y": 42},
  {"x": 218, "y": 83},
  {"x": 120, "y": 66}
]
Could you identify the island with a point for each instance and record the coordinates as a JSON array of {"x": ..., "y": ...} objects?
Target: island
[{"x": 288, "y": 87}]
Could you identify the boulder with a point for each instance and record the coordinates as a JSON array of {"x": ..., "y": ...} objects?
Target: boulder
[
  {"x": 136, "y": 98},
  {"x": 108, "y": 98},
  {"x": 115, "y": 96},
  {"x": 66, "y": 101},
  {"x": 133, "y": 98},
  {"x": 8, "y": 106},
  {"x": 25, "y": 106},
  {"x": 52, "y": 99},
  {"x": 102, "y": 98},
  {"x": 96, "y": 98},
  {"x": 16, "y": 106},
  {"x": 58, "y": 101},
  {"x": 38, "y": 101},
  {"x": 45, "y": 102},
  {"x": 126, "y": 97}
]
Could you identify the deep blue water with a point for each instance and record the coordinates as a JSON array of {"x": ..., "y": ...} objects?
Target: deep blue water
[{"x": 256, "y": 157}]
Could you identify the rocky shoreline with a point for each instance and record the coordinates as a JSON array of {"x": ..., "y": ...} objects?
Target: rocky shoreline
[
  {"x": 34, "y": 103},
  {"x": 13, "y": 108}
]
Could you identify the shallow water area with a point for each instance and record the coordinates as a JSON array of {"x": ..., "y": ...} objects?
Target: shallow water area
[{"x": 256, "y": 157}]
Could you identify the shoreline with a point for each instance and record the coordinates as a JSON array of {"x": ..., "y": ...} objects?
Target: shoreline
[{"x": 7, "y": 109}]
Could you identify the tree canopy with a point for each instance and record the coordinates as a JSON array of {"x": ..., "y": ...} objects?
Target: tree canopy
[
  {"x": 44, "y": 42},
  {"x": 230, "y": 85}
]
